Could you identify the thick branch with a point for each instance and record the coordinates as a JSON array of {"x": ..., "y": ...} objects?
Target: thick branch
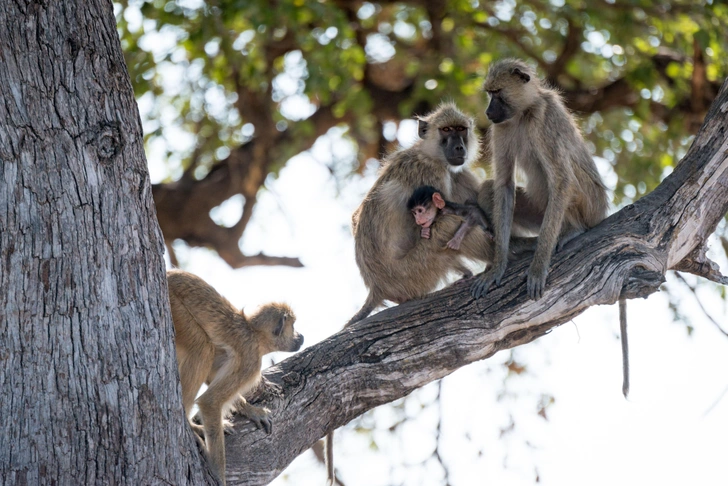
[
  {"x": 183, "y": 209},
  {"x": 390, "y": 354}
]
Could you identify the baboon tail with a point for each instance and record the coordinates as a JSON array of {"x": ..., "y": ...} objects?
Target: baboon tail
[
  {"x": 625, "y": 347},
  {"x": 329, "y": 459},
  {"x": 369, "y": 305}
]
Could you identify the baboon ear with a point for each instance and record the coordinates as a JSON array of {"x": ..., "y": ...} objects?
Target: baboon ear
[
  {"x": 279, "y": 328},
  {"x": 421, "y": 128},
  {"x": 524, "y": 77},
  {"x": 438, "y": 200}
]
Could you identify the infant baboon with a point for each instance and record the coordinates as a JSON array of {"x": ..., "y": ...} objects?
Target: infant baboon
[
  {"x": 219, "y": 345},
  {"x": 426, "y": 204}
]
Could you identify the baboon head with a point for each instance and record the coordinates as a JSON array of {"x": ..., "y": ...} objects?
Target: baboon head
[
  {"x": 448, "y": 136},
  {"x": 512, "y": 86},
  {"x": 424, "y": 203},
  {"x": 275, "y": 321}
]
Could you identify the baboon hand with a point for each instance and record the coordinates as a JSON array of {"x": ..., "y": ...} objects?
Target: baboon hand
[
  {"x": 198, "y": 429},
  {"x": 536, "y": 281},
  {"x": 453, "y": 244},
  {"x": 484, "y": 281},
  {"x": 259, "y": 416}
]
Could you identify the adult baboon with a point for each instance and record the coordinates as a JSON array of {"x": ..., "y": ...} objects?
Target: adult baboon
[
  {"x": 532, "y": 130},
  {"x": 395, "y": 263}
]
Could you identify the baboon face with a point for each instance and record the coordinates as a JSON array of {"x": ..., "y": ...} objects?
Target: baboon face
[
  {"x": 276, "y": 321},
  {"x": 424, "y": 205},
  {"x": 498, "y": 110},
  {"x": 286, "y": 338},
  {"x": 454, "y": 142},
  {"x": 448, "y": 130},
  {"x": 424, "y": 214},
  {"x": 505, "y": 83}
]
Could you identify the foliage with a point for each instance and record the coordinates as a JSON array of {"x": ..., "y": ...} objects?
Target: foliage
[{"x": 207, "y": 69}]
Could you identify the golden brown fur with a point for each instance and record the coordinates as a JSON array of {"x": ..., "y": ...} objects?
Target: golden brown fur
[
  {"x": 219, "y": 345},
  {"x": 395, "y": 263},
  {"x": 534, "y": 131}
]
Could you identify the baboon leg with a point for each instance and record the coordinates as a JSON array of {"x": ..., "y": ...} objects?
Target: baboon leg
[
  {"x": 463, "y": 270},
  {"x": 568, "y": 235},
  {"x": 193, "y": 373},
  {"x": 222, "y": 390},
  {"x": 521, "y": 245}
]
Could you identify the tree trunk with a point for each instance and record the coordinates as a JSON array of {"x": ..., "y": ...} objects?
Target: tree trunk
[
  {"x": 90, "y": 392},
  {"x": 390, "y": 354}
]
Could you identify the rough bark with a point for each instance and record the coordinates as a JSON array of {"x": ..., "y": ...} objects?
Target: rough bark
[
  {"x": 90, "y": 392},
  {"x": 390, "y": 354}
]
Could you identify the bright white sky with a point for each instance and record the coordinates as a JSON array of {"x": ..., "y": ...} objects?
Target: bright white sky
[{"x": 669, "y": 432}]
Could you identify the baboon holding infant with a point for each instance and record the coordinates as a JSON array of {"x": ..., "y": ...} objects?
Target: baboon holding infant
[
  {"x": 395, "y": 263},
  {"x": 219, "y": 345}
]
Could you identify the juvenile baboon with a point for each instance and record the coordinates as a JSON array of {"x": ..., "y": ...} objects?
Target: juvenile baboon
[
  {"x": 532, "y": 130},
  {"x": 219, "y": 345},
  {"x": 395, "y": 263},
  {"x": 426, "y": 204}
]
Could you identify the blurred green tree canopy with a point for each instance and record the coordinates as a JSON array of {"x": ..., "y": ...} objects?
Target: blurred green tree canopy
[{"x": 229, "y": 90}]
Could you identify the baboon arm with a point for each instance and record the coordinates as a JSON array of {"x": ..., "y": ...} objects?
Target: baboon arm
[
  {"x": 457, "y": 239},
  {"x": 504, "y": 192},
  {"x": 504, "y": 204},
  {"x": 547, "y": 239}
]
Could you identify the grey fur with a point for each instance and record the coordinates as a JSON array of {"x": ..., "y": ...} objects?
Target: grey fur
[{"x": 540, "y": 137}]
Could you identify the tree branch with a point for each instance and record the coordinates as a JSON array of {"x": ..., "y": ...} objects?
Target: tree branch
[
  {"x": 390, "y": 354},
  {"x": 699, "y": 264},
  {"x": 183, "y": 209}
]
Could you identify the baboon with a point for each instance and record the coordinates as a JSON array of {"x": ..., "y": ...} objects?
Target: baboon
[
  {"x": 395, "y": 263},
  {"x": 426, "y": 204},
  {"x": 533, "y": 130},
  {"x": 219, "y": 345}
]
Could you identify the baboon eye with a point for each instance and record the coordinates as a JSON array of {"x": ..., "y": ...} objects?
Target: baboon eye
[
  {"x": 446, "y": 129},
  {"x": 279, "y": 328},
  {"x": 460, "y": 129},
  {"x": 493, "y": 92}
]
